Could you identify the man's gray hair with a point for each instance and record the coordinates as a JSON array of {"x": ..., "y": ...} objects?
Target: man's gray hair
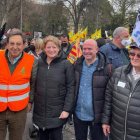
[
  {"x": 14, "y": 32},
  {"x": 117, "y": 32}
]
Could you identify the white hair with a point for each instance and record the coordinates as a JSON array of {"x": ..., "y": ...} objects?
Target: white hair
[{"x": 117, "y": 32}]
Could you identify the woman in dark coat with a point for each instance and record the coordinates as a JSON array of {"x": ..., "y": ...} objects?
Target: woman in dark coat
[{"x": 54, "y": 94}]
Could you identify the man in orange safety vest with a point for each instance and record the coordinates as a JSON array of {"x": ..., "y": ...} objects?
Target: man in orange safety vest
[{"x": 17, "y": 80}]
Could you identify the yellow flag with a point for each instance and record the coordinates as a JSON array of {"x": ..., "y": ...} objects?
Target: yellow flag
[
  {"x": 81, "y": 34},
  {"x": 96, "y": 35},
  {"x": 99, "y": 33},
  {"x": 70, "y": 34},
  {"x": 93, "y": 36},
  {"x": 84, "y": 33}
]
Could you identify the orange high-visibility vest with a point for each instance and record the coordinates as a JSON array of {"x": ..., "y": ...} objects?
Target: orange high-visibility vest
[{"x": 15, "y": 87}]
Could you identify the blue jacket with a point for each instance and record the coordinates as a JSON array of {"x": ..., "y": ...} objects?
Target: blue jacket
[{"x": 117, "y": 57}]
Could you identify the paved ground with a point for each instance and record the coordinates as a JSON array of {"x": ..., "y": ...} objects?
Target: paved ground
[{"x": 68, "y": 132}]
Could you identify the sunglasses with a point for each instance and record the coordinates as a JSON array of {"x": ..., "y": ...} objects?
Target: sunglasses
[{"x": 134, "y": 54}]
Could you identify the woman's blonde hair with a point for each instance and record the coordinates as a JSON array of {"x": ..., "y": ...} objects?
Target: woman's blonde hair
[
  {"x": 53, "y": 39},
  {"x": 39, "y": 44}
]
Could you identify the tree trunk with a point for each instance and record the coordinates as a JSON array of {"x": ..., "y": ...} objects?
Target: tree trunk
[
  {"x": 4, "y": 19},
  {"x": 76, "y": 27}
]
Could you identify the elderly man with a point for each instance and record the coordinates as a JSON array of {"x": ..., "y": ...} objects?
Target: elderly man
[
  {"x": 115, "y": 51},
  {"x": 17, "y": 78},
  {"x": 122, "y": 102},
  {"x": 92, "y": 73}
]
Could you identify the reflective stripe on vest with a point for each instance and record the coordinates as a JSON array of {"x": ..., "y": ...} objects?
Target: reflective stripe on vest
[
  {"x": 3, "y": 99},
  {"x": 14, "y": 98},
  {"x": 14, "y": 87}
]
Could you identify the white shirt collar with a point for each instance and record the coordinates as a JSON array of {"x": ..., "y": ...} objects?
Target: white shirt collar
[{"x": 135, "y": 74}]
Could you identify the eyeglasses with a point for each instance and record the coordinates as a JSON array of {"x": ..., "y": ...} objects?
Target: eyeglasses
[{"x": 134, "y": 54}]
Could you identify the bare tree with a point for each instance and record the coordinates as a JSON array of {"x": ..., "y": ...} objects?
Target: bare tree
[
  {"x": 6, "y": 7},
  {"x": 98, "y": 13},
  {"x": 122, "y": 7},
  {"x": 55, "y": 17},
  {"x": 76, "y": 9}
]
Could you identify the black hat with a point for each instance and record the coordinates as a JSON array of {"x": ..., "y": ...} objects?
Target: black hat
[{"x": 134, "y": 45}]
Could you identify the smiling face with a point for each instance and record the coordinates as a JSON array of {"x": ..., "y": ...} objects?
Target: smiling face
[
  {"x": 134, "y": 55},
  {"x": 15, "y": 46},
  {"x": 51, "y": 50},
  {"x": 90, "y": 50}
]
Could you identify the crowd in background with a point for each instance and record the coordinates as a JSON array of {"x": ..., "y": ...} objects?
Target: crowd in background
[{"x": 99, "y": 92}]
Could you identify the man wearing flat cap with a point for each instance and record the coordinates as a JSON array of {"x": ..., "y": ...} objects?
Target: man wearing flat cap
[{"x": 121, "y": 117}]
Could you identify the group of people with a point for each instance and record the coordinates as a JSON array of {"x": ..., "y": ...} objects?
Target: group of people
[{"x": 101, "y": 89}]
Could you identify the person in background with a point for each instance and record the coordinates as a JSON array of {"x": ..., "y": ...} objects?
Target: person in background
[
  {"x": 39, "y": 46},
  {"x": 3, "y": 43},
  {"x": 92, "y": 73},
  {"x": 65, "y": 45},
  {"x": 30, "y": 48},
  {"x": 54, "y": 94},
  {"x": 2, "y": 36},
  {"x": 122, "y": 101},
  {"x": 115, "y": 51},
  {"x": 81, "y": 43},
  {"x": 66, "y": 48},
  {"x": 100, "y": 42},
  {"x": 17, "y": 80},
  {"x": 27, "y": 45}
]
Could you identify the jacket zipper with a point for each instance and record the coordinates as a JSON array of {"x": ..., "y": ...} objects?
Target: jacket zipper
[
  {"x": 44, "y": 128},
  {"x": 127, "y": 108},
  {"x": 48, "y": 67},
  {"x": 126, "y": 114},
  {"x": 93, "y": 101}
]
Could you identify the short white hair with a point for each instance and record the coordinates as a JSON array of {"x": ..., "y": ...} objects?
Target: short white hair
[{"x": 117, "y": 32}]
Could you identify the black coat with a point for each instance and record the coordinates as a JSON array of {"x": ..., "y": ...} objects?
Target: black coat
[
  {"x": 122, "y": 106},
  {"x": 100, "y": 78},
  {"x": 55, "y": 86},
  {"x": 69, "y": 47}
]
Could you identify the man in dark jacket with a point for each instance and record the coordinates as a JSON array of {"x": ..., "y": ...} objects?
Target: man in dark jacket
[
  {"x": 122, "y": 101},
  {"x": 92, "y": 74},
  {"x": 65, "y": 45}
]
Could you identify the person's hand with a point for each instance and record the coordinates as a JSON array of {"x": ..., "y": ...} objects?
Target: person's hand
[
  {"x": 64, "y": 115},
  {"x": 29, "y": 107},
  {"x": 106, "y": 129}
]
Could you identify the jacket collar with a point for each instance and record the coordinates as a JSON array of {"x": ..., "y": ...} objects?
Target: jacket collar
[
  {"x": 59, "y": 57},
  {"x": 101, "y": 61},
  {"x": 114, "y": 47},
  {"x": 16, "y": 59},
  {"x": 128, "y": 69}
]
